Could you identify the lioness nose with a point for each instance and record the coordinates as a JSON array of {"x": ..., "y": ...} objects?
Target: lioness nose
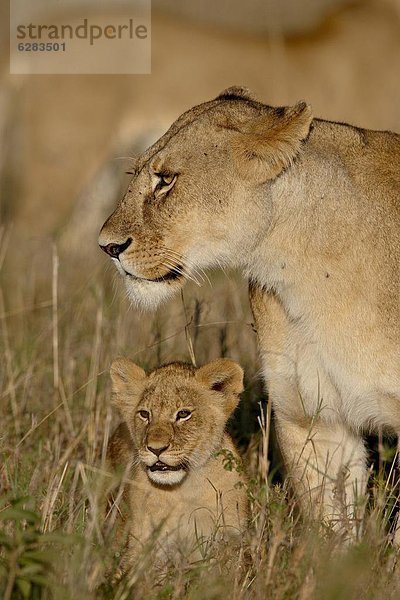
[
  {"x": 114, "y": 250},
  {"x": 157, "y": 451}
]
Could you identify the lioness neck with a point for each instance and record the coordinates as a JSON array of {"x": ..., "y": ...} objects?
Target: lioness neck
[{"x": 325, "y": 218}]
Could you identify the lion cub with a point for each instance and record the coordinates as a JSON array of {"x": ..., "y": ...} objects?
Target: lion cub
[{"x": 179, "y": 491}]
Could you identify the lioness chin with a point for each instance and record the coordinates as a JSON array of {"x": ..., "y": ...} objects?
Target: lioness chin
[
  {"x": 309, "y": 211},
  {"x": 173, "y": 437}
]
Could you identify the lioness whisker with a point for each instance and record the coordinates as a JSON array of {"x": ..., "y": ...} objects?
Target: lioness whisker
[
  {"x": 173, "y": 267},
  {"x": 190, "y": 275},
  {"x": 223, "y": 269},
  {"x": 187, "y": 262},
  {"x": 176, "y": 257}
]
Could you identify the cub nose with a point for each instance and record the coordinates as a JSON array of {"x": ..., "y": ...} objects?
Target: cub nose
[
  {"x": 114, "y": 250},
  {"x": 157, "y": 451}
]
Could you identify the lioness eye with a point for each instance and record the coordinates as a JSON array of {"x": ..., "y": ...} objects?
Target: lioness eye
[
  {"x": 166, "y": 181},
  {"x": 183, "y": 415},
  {"x": 144, "y": 414}
]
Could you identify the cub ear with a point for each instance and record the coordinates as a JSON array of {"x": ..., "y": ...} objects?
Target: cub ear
[
  {"x": 225, "y": 377},
  {"x": 266, "y": 145},
  {"x": 127, "y": 381}
]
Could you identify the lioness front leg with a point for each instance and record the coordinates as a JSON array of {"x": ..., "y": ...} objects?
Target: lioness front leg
[
  {"x": 326, "y": 466},
  {"x": 325, "y": 461}
]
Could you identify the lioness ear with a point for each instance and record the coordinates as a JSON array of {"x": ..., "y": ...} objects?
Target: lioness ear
[
  {"x": 234, "y": 92},
  {"x": 127, "y": 382},
  {"x": 225, "y": 377},
  {"x": 268, "y": 144}
]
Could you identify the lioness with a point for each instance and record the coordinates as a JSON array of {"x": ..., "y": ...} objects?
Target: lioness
[
  {"x": 309, "y": 210},
  {"x": 174, "y": 435}
]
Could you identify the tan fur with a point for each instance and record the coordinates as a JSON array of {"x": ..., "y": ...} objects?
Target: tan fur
[
  {"x": 179, "y": 509},
  {"x": 309, "y": 211}
]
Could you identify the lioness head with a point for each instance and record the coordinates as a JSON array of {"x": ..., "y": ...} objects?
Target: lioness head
[
  {"x": 198, "y": 192},
  {"x": 176, "y": 415}
]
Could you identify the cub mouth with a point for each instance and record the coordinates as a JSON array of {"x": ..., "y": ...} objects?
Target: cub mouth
[
  {"x": 172, "y": 275},
  {"x": 160, "y": 466}
]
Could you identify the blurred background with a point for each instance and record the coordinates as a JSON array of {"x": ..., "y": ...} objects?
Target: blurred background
[{"x": 66, "y": 142}]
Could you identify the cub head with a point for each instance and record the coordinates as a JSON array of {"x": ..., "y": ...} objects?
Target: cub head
[
  {"x": 199, "y": 195},
  {"x": 176, "y": 415}
]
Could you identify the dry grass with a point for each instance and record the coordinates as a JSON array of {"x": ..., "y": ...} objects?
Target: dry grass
[{"x": 59, "y": 330}]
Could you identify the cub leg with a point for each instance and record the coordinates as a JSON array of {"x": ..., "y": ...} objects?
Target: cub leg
[{"x": 327, "y": 467}]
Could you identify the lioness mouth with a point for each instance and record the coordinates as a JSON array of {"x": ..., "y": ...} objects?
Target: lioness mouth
[
  {"x": 173, "y": 274},
  {"x": 160, "y": 466}
]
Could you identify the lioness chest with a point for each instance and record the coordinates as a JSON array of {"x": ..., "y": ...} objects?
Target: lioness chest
[{"x": 333, "y": 353}]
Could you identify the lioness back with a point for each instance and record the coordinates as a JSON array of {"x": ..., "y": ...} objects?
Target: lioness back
[{"x": 174, "y": 436}]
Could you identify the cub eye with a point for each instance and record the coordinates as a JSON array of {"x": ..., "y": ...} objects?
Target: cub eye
[
  {"x": 165, "y": 182},
  {"x": 144, "y": 414},
  {"x": 183, "y": 415}
]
